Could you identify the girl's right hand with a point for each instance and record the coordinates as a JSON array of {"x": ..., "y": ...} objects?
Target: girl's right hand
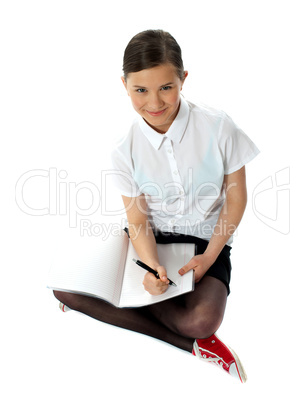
[{"x": 156, "y": 286}]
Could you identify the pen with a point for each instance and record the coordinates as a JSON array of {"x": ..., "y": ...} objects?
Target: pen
[{"x": 147, "y": 268}]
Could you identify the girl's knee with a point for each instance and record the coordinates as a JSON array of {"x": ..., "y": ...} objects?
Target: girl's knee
[
  {"x": 207, "y": 326},
  {"x": 201, "y": 326}
]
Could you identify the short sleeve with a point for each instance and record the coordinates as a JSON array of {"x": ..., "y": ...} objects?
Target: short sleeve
[
  {"x": 121, "y": 174},
  {"x": 236, "y": 147}
]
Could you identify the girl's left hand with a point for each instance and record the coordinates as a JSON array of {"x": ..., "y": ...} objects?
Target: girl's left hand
[{"x": 200, "y": 264}]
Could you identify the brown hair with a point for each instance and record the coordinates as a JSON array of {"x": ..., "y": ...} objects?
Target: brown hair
[{"x": 150, "y": 49}]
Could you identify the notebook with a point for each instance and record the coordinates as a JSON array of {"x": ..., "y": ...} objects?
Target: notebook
[{"x": 105, "y": 269}]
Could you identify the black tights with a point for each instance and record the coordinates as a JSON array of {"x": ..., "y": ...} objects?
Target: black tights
[{"x": 177, "y": 321}]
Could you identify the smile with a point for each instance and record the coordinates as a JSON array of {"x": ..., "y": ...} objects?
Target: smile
[{"x": 154, "y": 114}]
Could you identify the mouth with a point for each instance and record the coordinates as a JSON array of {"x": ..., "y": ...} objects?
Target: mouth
[{"x": 155, "y": 114}]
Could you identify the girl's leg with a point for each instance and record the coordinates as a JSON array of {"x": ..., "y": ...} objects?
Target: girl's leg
[
  {"x": 135, "y": 319},
  {"x": 197, "y": 314},
  {"x": 176, "y": 321}
]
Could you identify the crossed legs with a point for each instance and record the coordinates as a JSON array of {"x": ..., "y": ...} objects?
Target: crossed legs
[{"x": 176, "y": 321}]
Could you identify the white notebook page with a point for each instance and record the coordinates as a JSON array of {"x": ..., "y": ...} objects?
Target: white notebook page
[
  {"x": 87, "y": 266},
  {"x": 172, "y": 257}
]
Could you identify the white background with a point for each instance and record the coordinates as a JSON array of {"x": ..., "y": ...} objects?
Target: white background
[{"x": 62, "y": 106}]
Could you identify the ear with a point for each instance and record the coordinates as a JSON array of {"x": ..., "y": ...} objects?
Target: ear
[
  {"x": 185, "y": 76},
  {"x": 124, "y": 81}
]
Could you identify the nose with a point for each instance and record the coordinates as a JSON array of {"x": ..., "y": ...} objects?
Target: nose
[{"x": 155, "y": 101}]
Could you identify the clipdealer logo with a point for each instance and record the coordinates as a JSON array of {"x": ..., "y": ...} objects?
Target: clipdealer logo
[
  {"x": 63, "y": 197},
  {"x": 42, "y": 192}
]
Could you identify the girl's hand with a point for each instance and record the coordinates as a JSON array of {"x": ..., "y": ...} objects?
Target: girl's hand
[
  {"x": 156, "y": 286},
  {"x": 200, "y": 264}
]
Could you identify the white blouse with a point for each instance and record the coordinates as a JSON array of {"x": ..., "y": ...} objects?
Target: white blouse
[{"x": 181, "y": 172}]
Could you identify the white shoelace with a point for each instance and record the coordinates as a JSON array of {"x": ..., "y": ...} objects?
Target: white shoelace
[{"x": 200, "y": 353}]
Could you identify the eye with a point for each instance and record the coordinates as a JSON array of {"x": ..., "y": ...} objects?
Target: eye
[
  {"x": 166, "y": 88},
  {"x": 141, "y": 90}
]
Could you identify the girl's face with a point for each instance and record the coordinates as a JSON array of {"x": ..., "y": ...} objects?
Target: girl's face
[{"x": 155, "y": 95}]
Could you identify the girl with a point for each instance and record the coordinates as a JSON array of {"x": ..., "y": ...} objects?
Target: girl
[{"x": 182, "y": 179}]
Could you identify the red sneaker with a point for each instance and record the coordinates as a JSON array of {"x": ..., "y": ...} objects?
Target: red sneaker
[{"x": 213, "y": 350}]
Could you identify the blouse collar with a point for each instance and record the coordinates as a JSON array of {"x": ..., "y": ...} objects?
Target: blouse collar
[{"x": 176, "y": 130}]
